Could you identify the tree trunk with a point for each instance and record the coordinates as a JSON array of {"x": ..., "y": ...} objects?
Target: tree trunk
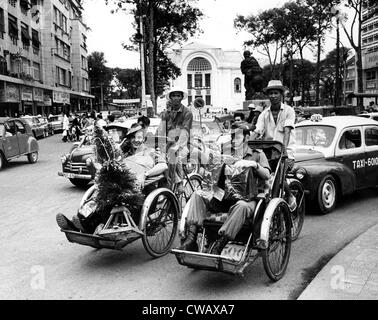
[
  {"x": 317, "y": 81},
  {"x": 151, "y": 49}
]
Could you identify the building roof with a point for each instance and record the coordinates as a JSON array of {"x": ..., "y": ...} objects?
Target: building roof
[{"x": 198, "y": 45}]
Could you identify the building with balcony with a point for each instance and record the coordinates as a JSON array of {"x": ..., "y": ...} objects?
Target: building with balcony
[
  {"x": 369, "y": 46},
  {"x": 38, "y": 57},
  {"x": 212, "y": 74}
]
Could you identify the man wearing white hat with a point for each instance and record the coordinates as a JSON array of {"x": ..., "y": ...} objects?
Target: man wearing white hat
[
  {"x": 255, "y": 111},
  {"x": 176, "y": 124},
  {"x": 277, "y": 123}
]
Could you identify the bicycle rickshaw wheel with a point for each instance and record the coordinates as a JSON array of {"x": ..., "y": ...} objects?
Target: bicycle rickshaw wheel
[
  {"x": 160, "y": 224},
  {"x": 276, "y": 256},
  {"x": 298, "y": 215},
  {"x": 190, "y": 187}
]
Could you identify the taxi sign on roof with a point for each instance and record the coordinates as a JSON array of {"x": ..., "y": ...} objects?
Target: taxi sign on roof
[{"x": 316, "y": 117}]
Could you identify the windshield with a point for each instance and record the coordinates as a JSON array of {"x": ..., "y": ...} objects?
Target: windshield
[
  {"x": 364, "y": 115},
  {"x": 315, "y": 136}
]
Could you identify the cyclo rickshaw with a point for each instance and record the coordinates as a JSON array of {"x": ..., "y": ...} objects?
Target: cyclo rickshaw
[
  {"x": 156, "y": 224},
  {"x": 267, "y": 234}
]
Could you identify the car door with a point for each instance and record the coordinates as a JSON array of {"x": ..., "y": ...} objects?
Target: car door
[
  {"x": 351, "y": 153},
  {"x": 371, "y": 154},
  {"x": 10, "y": 141},
  {"x": 37, "y": 127},
  {"x": 22, "y": 136}
]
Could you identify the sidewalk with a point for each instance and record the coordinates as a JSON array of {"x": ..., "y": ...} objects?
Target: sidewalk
[{"x": 350, "y": 275}]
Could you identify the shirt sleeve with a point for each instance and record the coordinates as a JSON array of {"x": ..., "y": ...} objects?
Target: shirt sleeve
[
  {"x": 290, "y": 118},
  {"x": 188, "y": 121},
  {"x": 260, "y": 123},
  {"x": 263, "y": 161}
]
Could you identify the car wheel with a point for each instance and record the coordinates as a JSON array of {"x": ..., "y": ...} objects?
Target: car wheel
[
  {"x": 33, "y": 157},
  {"x": 327, "y": 194},
  {"x": 79, "y": 182}
]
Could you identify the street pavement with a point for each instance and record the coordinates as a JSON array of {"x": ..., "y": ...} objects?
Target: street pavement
[
  {"x": 37, "y": 261},
  {"x": 351, "y": 275}
]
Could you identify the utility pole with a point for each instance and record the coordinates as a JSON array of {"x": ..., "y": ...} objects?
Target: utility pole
[
  {"x": 102, "y": 97},
  {"x": 142, "y": 67}
]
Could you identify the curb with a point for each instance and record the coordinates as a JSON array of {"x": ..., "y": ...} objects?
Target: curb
[{"x": 352, "y": 274}]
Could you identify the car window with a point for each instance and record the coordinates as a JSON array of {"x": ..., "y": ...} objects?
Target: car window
[
  {"x": 10, "y": 128},
  {"x": 371, "y": 136},
  {"x": 350, "y": 139},
  {"x": 375, "y": 118},
  {"x": 364, "y": 115},
  {"x": 20, "y": 127},
  {"x": 314, "y": 135}
]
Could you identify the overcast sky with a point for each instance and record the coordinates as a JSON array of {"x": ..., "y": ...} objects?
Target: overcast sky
[{"x": 109, "y": 30}]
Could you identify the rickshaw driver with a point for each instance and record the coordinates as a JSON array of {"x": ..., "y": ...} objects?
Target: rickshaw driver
[
  {"x": 176, "y": 125},
  {"x": 143, "y": 161},
  {"x": 201, "y": 203},
  {"x": 277, "y": 122}
]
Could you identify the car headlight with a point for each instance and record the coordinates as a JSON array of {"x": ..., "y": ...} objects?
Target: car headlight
[
  {"x": 300, "y": 173},
  {"x": 63, "y": 159},
  {"x": 89, "y": 161}
]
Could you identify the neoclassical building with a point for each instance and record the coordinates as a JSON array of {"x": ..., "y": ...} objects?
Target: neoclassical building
[{"x": 212, "y": 74}]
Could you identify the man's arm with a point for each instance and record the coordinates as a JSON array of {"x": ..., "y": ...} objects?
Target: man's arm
[
  {"x": 288, "y": 126},
  {"x": 260, "y": 126},
  {"x": 187, "y": 125}
]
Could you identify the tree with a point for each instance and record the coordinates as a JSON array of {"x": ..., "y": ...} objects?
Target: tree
[
  {"x": 300, "y": 29},
  {"x": 128, "y": 80},
  {"x": 328, "y": 72},
  {"x": 100, "y": 76},
  {"x": 167, "y": 23},
  {"x": 323, "y": 16},
  {"x": 264, "y": 29}
]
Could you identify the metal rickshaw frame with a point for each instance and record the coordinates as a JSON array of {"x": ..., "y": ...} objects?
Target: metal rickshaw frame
[{"x": 256, "y": 236}]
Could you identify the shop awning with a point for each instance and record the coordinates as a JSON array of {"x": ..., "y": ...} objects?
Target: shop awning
[{"x": 362, "y": 95}]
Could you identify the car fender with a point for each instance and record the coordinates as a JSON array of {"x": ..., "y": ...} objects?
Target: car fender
[
  {"x": 265, "y": 224},
  {"x": 317, "y": 170},
  {"x": 32, "y": 145}
]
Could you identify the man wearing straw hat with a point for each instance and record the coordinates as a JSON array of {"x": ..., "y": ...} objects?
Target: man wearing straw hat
[{"x": 277, "y": 123}]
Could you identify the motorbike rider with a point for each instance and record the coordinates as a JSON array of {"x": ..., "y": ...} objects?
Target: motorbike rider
[
  {"x": 144, "y": 162},
  {"x": 202, "y": 203}
]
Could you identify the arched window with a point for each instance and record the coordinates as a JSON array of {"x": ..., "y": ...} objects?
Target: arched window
[
  {"x": 199, "y": 64},
  {"x": 237, "y": 85}
]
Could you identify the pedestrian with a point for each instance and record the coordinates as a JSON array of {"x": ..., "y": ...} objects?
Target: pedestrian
[
  {"x": 66, "y": 126},
  {"x": 277, "y": 123}
]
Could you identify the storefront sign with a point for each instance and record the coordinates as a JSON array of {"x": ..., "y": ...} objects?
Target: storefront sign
[
  {"x": 26, "y": 94},
  {"x": 12, "y": 93},
  {"x": 37, "y": 94},
  {"x": 61, "y": 97}
]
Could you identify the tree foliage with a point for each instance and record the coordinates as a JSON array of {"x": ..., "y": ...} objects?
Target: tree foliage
[
  {"x": 99, "y": 74},
  {"x": 128, "y": 81}
]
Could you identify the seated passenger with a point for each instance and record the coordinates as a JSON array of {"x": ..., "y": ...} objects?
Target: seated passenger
[
  {"x": 239, "y": 207},
  {"x": 142, "y": 161},
  {"x": 346, "y": 142}
]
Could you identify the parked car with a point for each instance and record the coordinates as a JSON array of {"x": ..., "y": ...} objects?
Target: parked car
[
  {"x": 37, "y": 127},
  {"x": 47, "y": 126},
  {"x": 336, "y": 156},
  {"x": 371, "y": 115},
  {"x": 56, "y": 123},
  {"x": 16, "y": 140}
]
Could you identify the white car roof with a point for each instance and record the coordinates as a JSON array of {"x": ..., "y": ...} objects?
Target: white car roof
[{"x": 339, "y": 121}]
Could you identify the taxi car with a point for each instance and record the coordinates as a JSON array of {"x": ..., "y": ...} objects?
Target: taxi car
[
  {"x": 56, "y": 122},
  {"x": 335, "y": 156},
  {"x": 370, "y": 115},
  {"x": 79, "y": 164},
  {"x": 16, "y": 140}
]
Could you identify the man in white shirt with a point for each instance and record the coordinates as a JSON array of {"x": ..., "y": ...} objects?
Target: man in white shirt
[{"x": 277, "y": 122}]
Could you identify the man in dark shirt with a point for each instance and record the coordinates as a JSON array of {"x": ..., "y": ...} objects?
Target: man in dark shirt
[
  {"x": 176, "y": 124},
  {"x": 240, "y": 207}
]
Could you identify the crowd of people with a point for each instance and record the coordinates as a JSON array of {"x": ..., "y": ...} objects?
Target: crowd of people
[{"x": 275, "y": 122}]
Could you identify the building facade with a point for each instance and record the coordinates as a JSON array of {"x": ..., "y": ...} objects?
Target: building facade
[
  {"x": 369, "y": 46},
  {"x": 212, "y": 74},
  {"x": 43, "y": 66}
]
